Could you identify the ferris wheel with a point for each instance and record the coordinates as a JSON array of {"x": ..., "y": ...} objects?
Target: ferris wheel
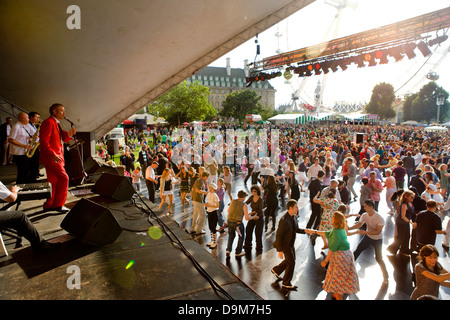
[{"x": 301, "y": 100}]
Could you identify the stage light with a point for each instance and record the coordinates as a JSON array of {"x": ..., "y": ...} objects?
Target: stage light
[
  {"x": 409, "y": 50},
  {"x": 382, "y": 56},
  {"x": 395, "y": 52},
  {"x": 424, "y": 49},
  {"x": 379, "y": 54},
  {"x": 325, "y": 67},
  {"x": 370, "y": 57},
  {"x": 333, "y": 65},
  {"x": 359, "y": 60},
  {"x": 300, "y": 71},
  {"x": 249, "y": 80},
  {"x": 343, "y": 64},
  {"x": 438, "y": 40},
  {"x": 317, "y": 69}
]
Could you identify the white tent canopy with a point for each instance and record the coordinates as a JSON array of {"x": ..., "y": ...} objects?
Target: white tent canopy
[
  {"x": 411, "y": 123},
  {"x": 435, "y": 128},
  {"x": 285, "y": 118}
]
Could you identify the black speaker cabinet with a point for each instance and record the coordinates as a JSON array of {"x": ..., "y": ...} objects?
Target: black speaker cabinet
[
  {"x": 92, "y": 223},
  {"x": 359, "y": 138},
  {"x": 92, "y": 164},
  {"x": 114, "y": 186},
  {"x": 112, "y": 146}
]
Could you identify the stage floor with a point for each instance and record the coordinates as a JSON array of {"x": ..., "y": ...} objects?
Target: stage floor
[{"x": 139, "y": 267}]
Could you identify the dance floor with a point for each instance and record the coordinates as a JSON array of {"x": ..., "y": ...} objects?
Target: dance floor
[
  {"x": 254, "y": 268},
  {"x": 140, "y": 265}
]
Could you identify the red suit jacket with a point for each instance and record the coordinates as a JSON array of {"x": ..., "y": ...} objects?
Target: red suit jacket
[{"x": 50, "y": 136}]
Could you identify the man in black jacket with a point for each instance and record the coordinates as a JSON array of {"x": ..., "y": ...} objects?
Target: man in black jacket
[
  {"x": 284, "y": 243},
  {"x": 315, "y": 187}
]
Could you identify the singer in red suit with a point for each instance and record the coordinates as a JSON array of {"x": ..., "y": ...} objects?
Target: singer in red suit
[{"x": 52, "y": 138}]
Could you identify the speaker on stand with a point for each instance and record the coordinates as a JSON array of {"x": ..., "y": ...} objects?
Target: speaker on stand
[
  {"x": 358, "y": 138},
  {"x": 112, "y": 146}
]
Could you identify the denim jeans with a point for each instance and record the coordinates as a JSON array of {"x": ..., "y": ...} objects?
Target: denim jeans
[
  {"x": 219, "y": 213},
  {"x": 232, "y": 226}
]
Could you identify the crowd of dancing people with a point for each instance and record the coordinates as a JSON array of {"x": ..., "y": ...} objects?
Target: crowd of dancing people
[{"x": 405, "y": 167}]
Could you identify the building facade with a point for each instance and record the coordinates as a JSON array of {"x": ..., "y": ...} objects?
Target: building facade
[{"x": 223, "y": 81}]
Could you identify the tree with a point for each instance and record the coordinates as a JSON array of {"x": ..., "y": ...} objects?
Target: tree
[
  {"x": 424, "y": 106},
  {"x": 184, "y": 103},
  {"x": 268, "y": 112},
  {"x": 381, "y": 101},
  {"x": 240, "y": 103},
  {"x": 407, "y": 107}
]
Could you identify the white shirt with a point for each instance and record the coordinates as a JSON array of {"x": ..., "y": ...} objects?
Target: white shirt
[
  {"x": 417, "y": 159},
  {"x": 4, "y": 191},
  {"x": 372, "y": 223},
  {"x": 257, "y": 166},
  {"x": 313, "y": 171},
  {"x": 33, "y": 130},
  {"x": 21, "y": 133},
  {"x": 136, "y": 176},
  {"x": 212, "y": 198},
  {"x": 150, "y": 173}
]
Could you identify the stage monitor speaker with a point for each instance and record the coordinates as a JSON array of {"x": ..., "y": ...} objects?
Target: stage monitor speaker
[
  {"x": 92, "y": 223},
  {"x": 114, "y": 186},
  {"x": 112, "y": 146},
  {"x": 92, "y": 164}
]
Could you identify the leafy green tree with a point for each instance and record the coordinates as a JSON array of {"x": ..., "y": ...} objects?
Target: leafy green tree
[
  {"x": 184, "y": 103},
  {"x": 381, "y": 101},
  {"x": 268, "y": 112},
  {"x": 424, "y": 106},
  {"x": 407, "y": 107},
  {"x": 240, "y": 103}
]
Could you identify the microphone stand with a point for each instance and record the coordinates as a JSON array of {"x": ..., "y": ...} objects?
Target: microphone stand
[{"x": 79, "y": 152}]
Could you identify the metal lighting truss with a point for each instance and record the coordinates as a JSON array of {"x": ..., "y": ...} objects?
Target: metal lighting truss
[{"x": 394, "y": 40}]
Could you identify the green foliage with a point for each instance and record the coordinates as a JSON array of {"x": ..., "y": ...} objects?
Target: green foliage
[
  {"x": 424, "y": 107},
  {"x": 407, "y": 107},
  {"x": 240, "y": 103},
  {"x": 184, "y": 103},
  {"x": 381, "y": 101}
]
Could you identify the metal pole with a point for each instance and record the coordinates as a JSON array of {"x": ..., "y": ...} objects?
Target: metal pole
[{"x": 439, "y": 101}]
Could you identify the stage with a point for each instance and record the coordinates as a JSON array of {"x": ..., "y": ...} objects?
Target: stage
[{"x": 165, "y": 263}]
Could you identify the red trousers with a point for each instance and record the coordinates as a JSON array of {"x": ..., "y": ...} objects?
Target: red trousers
[{"x": 57, "y": 176}]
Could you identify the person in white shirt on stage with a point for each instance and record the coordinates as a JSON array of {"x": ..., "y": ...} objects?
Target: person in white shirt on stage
[{"x": 19, "y": 139}]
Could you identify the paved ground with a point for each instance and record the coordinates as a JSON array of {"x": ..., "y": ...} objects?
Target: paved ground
[{"x": 254, "y": 269}]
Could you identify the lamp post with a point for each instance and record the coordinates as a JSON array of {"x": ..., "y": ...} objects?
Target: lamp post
[{"x": 439, "y": 101}]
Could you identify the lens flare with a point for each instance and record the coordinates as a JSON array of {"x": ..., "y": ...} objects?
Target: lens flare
[
  {"x": 129, "y": 265},
  {"x": 155, "y": 233}
]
